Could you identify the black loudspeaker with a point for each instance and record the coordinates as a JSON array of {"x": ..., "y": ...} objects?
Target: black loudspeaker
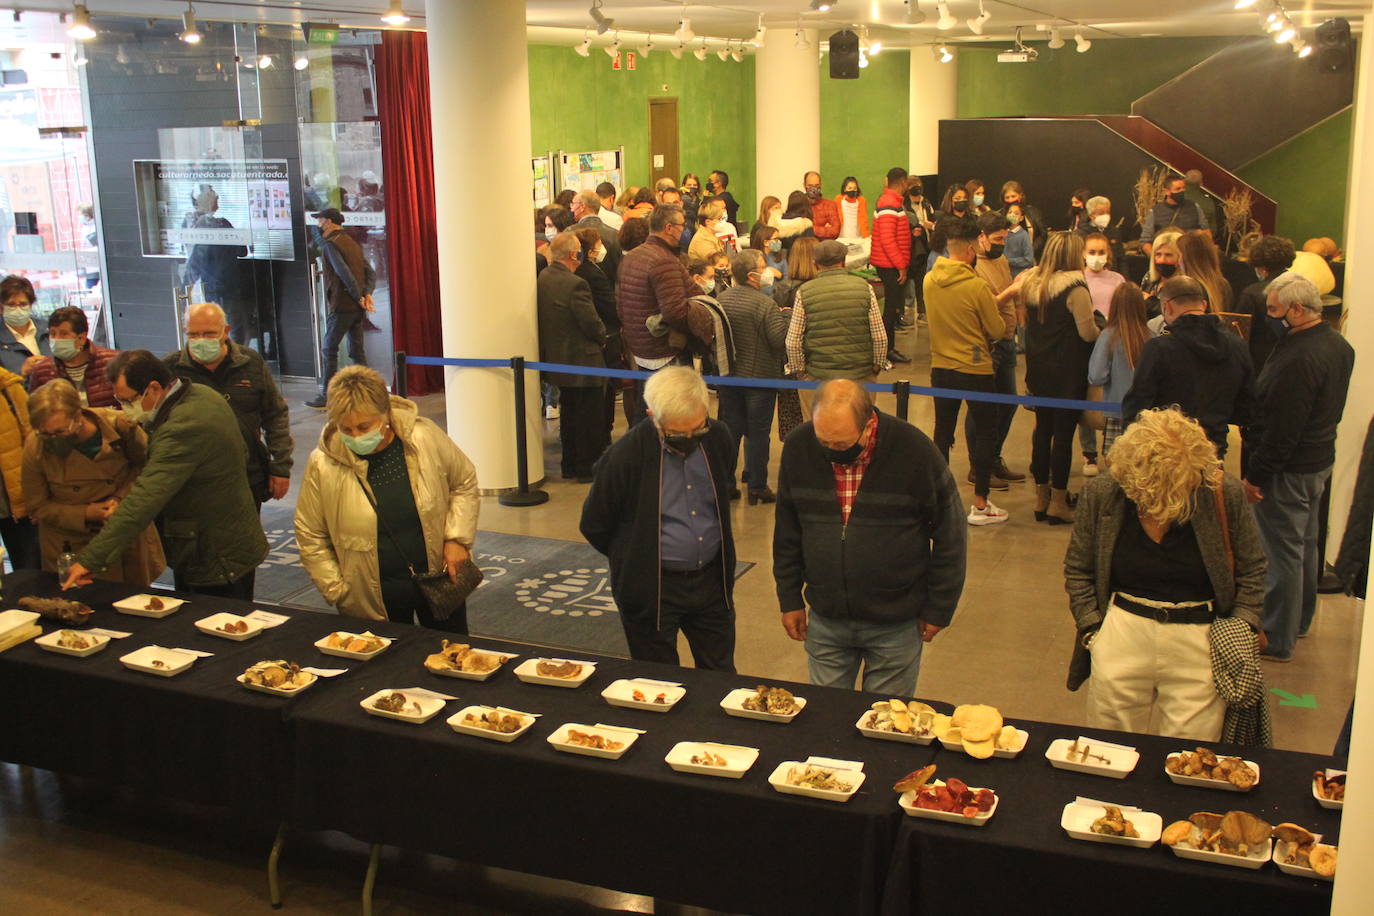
[
  {"x": 1333, "y": 45},
  {"x": 844, "y": 55}
]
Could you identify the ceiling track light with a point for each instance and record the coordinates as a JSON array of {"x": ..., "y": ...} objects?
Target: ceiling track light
[
  {"x": 600, "y": 20},
  {"x": 648, "y": 45},
  {"x": 1286, "y": 35},
  {"x": 585, "y": 48},
  {"x": 943, "y": 53},
  {"x": 913, "y": 15},
  {"x": 684, "y": 31},
  {"x": 799, "y": 40},
  {"x": 737, "y": 55},
  {"x": 613, "y": 49},
  {"x": 700, "y": 53},
  {"x": 757, "y": 40},
  {"x": 946, "y": 21},
  {"x": 81, "y": 28},
  {"x": 301, "y": 62},
  {"x": 724, "y": 53},
  {"x": 189, "y": 31},
  {"x": 394, "y": 15},
  {"x": 1082, "y": 44},
  {"x": 821, "y": 6},
  {"x": 1056, "y": 39},
  {"x": 265, "y": 62},
  {"x": 976, "y": 25}
]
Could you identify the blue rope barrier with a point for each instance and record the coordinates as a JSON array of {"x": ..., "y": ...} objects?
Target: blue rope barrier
[{"x": 1112, "y": 407}]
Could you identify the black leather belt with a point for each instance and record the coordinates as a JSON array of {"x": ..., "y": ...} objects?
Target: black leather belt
[{"x": 1200, "y": 614}]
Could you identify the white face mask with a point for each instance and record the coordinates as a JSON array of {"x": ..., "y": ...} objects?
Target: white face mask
[
  {"x": 550, "y": 233},
  {"x": 709, "y": 286},
  {"x": 1101, "y": 220},
  {"x": 598, "y": 255},
  {"x": 1096, "y": 261}
]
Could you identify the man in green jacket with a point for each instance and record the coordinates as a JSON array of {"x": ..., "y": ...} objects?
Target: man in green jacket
[
  {"x": 194, "y": 485},
  {"x": 241, "y": 377}
]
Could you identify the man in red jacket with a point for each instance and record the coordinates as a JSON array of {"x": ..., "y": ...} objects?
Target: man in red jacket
[
  {"x": 825, "y": 215},
  {"x": 652, "y": 281},
  {"x": 891, "y": 253}
]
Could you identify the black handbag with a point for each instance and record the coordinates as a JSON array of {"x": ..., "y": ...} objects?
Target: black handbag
[{"x": 442, "y": 595}]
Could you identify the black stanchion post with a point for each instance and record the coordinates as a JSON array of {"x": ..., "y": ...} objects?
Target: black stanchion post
[
  {"x": 522, "y": 495},
  {"x": 902, "y": 388},
  {"x": 400, "y": 382}
]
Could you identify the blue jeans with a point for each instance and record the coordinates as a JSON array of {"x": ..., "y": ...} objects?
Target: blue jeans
[
  {"x": 748, "y": 413},
  {"x": 1289, "y": 517},
  {"x": 890, "y": 654},
  {"x": 337, "y": 327}
]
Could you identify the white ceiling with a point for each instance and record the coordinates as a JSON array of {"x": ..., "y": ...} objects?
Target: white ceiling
[{"x": 563, "y": 21}]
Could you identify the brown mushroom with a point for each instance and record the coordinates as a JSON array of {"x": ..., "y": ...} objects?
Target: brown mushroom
[
  {"x": 1323, "y": 859},
  {"x": 1177, "y": 832},
  {"x": 1243, "y": 831},
  {"x": 1206, "y": 821}
]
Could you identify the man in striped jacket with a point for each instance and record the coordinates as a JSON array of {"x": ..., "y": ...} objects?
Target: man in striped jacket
[{"x": 890, "y": 254}]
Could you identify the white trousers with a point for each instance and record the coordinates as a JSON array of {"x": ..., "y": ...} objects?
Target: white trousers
[{"x": 1142, "y": 666}]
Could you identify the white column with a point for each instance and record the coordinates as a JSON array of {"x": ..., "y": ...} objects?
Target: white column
[
  {"x": 787, "y": 116},
  {"x": 1355, "y": 886},
  {"x": 480, "y": 110},
  {"x": 934, "y": 98}
]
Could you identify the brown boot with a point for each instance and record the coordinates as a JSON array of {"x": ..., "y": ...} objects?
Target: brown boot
[
  {"x": 1007, "y": 473},
  {"x": 1060, "y": 512},
  {"x": 1042, "y": 501}
]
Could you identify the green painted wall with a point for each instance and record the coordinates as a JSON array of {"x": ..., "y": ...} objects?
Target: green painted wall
[
  {"x": 1308, "y": 177},
  {"x": 580, "y": 104},
  {"x": 864, "y": 123},
  {"x": 1114, "y": 73}
]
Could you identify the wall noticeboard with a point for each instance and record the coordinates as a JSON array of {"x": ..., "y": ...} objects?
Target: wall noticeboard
[
  {"x": 251, "y": 198},
  {"x": 541, "y": 176},
  {"x": 584, "y": 171}
]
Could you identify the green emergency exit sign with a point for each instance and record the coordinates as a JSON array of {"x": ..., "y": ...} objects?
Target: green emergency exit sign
[{"x": 321, "y": 33}]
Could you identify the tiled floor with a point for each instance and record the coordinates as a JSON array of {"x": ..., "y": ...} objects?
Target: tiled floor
[{"x": 70, "y": 847}]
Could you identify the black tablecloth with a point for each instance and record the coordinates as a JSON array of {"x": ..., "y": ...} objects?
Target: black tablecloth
[
  {"x": 197, "y": 736},
  {"x": 631, "y": 824},
  {"x": 940, "y": 867}
]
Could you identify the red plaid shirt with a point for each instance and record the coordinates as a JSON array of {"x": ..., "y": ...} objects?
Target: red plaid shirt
[{"x": 849, "y": 476}]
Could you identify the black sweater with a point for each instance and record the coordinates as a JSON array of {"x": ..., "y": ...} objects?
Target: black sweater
[
  {"x": 622, "y": 516},
  {"x": 901, "y": 557},
  {"x": 1301, "y": 397},
  {"x": 1203, "y": 368}
]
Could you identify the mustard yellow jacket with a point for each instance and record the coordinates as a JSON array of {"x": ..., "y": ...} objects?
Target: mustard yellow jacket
[{"x": 14, "y": 429}]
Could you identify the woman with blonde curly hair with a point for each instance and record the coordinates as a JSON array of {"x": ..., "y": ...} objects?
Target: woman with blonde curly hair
[{"x": 1157, "y": 571}]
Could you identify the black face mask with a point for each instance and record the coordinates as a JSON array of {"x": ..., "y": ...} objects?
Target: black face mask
[
  {"x": 723, "y": 277},
  {"x": 682, "y": 445},
  {"x": 852, "y": 193},
  {"x": 1166, "y": 270},
  {"x": 960, "y": 206},
  {"x": 1178, "y": 198},
  {"x": 844, "y": 456},
  {"x": 995, "y": 251}
]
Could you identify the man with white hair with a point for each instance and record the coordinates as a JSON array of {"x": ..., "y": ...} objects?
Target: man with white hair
[
  {"x": 240, "y": 375},
  {"x": 869, "y": 534},
  {"x": 659, "y": 510},
  {"x": 1291, "y": 447}
]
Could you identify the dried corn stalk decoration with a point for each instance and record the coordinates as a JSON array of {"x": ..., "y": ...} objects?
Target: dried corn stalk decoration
[
  {"x": 1235, "y": 210},
  {"x": 1149, "y": 190}
]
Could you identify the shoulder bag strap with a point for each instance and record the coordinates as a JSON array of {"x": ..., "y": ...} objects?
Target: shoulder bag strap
[{"x": 382, "y": 518}]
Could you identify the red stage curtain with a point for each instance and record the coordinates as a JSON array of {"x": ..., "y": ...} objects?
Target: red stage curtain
[{"x": 408, "y": 171}]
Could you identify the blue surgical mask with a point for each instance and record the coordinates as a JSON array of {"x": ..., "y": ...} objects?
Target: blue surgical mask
[
  {"x": 978, "y": 200},
  {"x": 710, "y": 286},
  {"x": 365, "y": 444},
  {"x": 775, "y": 245},
  {"x": 18, "y": 316},
  {"x": 203, "y": 349},
  {"x": 766, "y": 280},
  {"x": 65, "y": 348}
]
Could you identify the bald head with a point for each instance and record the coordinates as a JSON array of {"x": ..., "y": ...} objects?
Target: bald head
[
  {"x": 205, "y": 314},
  {"x": 840, "y": 412},
  {"x": 586, "y": 203}
]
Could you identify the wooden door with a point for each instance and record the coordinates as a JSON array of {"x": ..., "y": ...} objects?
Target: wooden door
[{"x": 663, "y": 161}]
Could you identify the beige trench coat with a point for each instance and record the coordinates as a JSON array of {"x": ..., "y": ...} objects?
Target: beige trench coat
[
  {"x": 57, "y": 491},
  {"x": 336, "y": 528}
]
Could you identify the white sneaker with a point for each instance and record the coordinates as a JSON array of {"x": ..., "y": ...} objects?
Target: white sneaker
[
  {"x": 989, "y": 516},
  {"x": 1090, "y": 468}
]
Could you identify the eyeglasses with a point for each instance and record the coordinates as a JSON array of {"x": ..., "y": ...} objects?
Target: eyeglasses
[{"x": 72, "y": 429}]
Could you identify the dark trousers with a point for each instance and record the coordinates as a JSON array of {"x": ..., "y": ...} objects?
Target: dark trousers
[
  {"x": 894, "y": 300},
  {"x": 981, "y": 423},
  {"x": 240, "y": 589},
  {"x": 693, "y": 602},
  {"x": 748, "y": 412},
  {"x": 457, "y": 622},
  {"x": 916, "y": 276},
  {"x": 581, "y": 427},
  {"x": 613, "y": 352},
  {"x": 1052, "y": 445},
  {"x": 1004, "y": 382},
  {"x": 338, "y": 326},
  {"x": 21, "y": 543}
]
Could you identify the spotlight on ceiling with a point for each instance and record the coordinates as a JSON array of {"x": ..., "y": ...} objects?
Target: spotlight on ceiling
[
  {"x": 394, "y": 15},
  {"x": 914, "y": 16},
  {"x": 1082, "y": 43},
  {"x": 943, "y": 54},
  {"x": 301, "y": 62},
  {"x": 821, "y": 6},
  {"x": 585, "y": 48},
  {"x": 700, "y": 53},
  {"x": 189, "y": 32},
  {"x": 946, "y": 21},
  {"x": 757, "y": 40},
  {"x": 1056, "y": 40},
  {"x": 737, "y": 55},
  {"x": 976, "y": 25},
  {"x": 265, "y": 62},
  {"x": 648, "y": 45},
  {"x": 1285, "y": 35},
  {"x": 602, "y": 23},
  {"x": 81, "y": 28},
  {"x": 613, "y": 48},
  {"x": 677, "y": 52},
  {"x": 684, "y": 31}
]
